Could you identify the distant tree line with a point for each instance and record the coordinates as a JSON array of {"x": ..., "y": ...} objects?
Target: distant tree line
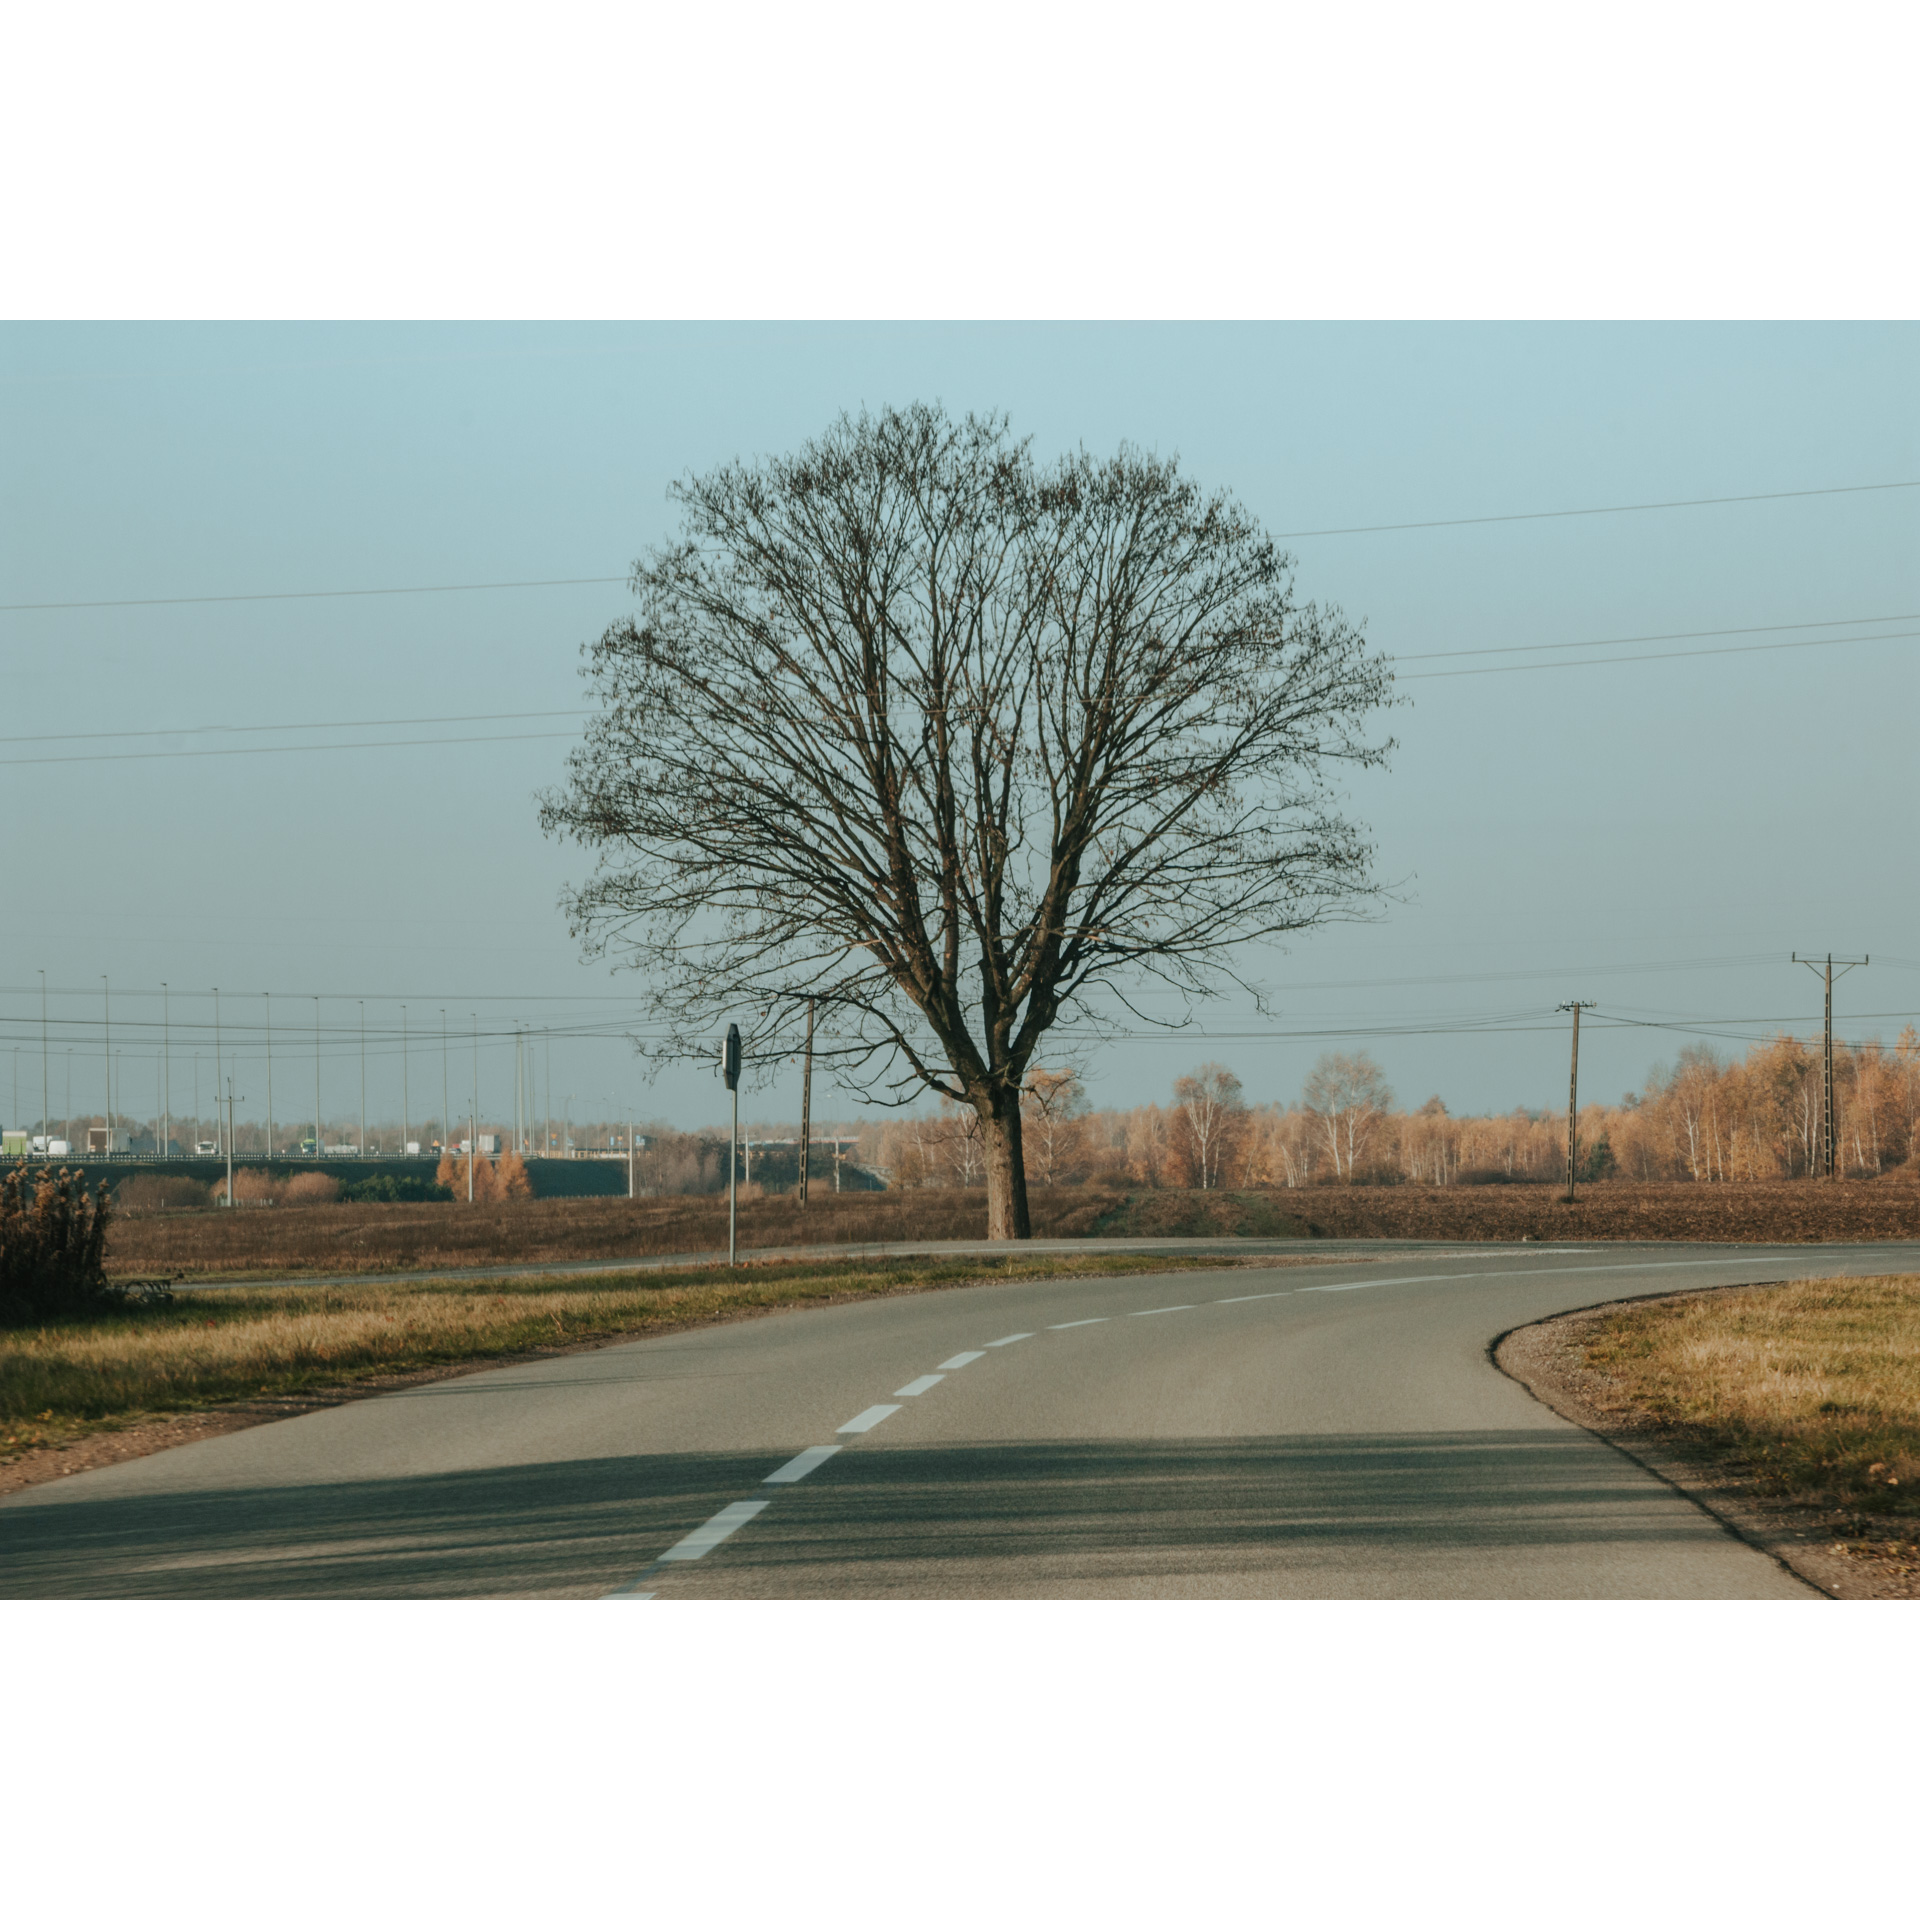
[{"x": 1704, "y": 1118}]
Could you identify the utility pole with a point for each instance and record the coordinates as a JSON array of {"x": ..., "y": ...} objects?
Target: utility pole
[
  {"x": 268, "y": 998},
  {"x": 316, "y": 1079},
  {"x": 446, "y": 1099},
  {"x": 473, "y": 1139},
  {"x": 1573, "y": 1092},
  {"x": 46, "y": 1085},
  {"x": 216, "y": 1101},
  {"x": 166, "y": 1070},
  {"x": 730, "y": 1072},
  {"x": 629, "y": 1159},
  {"x": 405, "y": 1128},
  {"x": 363, "y": 1079},
  {"x": 217, "y": 1083},
  {"x": 106, "y": 1029},
  {"x": 546, "y": 1126},
  {"x": 1828, "y": 1129}
]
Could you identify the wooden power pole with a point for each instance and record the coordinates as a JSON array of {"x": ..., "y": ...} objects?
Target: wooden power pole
[
  {"x": 1827, "y": 1127},
  {"x": 1573, "y": 1092}
]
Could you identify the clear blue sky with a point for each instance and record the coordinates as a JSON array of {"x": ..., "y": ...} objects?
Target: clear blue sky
[{"x": 1693, "y": 819}]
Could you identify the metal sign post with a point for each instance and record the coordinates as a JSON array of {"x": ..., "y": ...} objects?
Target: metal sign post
[
  {"x": 806, "y": 1109},
  {"x": 730, "y": 1072}
]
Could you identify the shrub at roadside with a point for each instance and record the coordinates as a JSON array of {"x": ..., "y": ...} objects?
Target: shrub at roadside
[
  {"x": 256, "y": 1187},
  {"x": 392, "y": 1187},
  {"x": 52, "y": 1235},
  {"x": 504, "y": 1178}
]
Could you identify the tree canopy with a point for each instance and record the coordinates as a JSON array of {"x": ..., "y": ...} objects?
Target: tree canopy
[{"x": 963, "y": 750}]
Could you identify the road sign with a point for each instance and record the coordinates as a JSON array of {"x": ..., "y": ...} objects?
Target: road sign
[{"x": 730, "y": 1059}]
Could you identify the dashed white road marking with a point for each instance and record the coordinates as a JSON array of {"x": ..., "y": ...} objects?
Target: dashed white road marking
[
  {"x": 1009, "y": 1340},
  {"x": 866, "y": 1422},
  {"x": 799, "y": 1466},
  {"x": 1140, "y": 1313},
  {"x": 1066, "y": 1325},
  {"x": 914, "y": 1388},
  {"x": 628, "y": 1593},
  {"x": 960, "y": 1360},
  {"x": 703, "y": 1540},
  {"x": 1239, "y": 1298}
]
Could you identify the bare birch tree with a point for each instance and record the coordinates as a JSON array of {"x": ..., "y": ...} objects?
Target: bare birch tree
[
  {"x": 959, "y": 749},
  {"x": 1349, "y": 1095},
  {"x": 1210, "y": 1102}
]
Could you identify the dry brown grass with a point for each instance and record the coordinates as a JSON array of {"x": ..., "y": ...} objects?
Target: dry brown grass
[
  {"x": 61, "y": 1382},
  {"x": 1811, "y": 1388}
]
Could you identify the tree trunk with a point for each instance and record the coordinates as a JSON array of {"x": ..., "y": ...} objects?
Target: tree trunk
[{"x": 1006, "y": 1172}]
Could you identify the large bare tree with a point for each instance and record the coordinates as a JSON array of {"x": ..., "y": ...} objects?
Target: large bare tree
[{"x": 962, "y": 750}]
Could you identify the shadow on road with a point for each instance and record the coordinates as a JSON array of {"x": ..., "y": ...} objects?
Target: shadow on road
[{"x": 584, "y": 1526}]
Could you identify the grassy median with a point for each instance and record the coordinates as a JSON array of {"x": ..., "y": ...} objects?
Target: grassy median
[
  {"x": 1812, "y": 1387},
  {"x": 206, "y": 1350}
]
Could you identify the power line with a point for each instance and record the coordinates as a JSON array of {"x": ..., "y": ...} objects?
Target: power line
[
  {"x": 317, "y": 593},
  {"x": 1650, "y": 639},
  {"x": 1580, "y": 513},
  {"x": 307, "y": 746},
  {"x": 1637, "y": 659},
  {"x": 620, "y": 579},
  {"x": 485, "y": 739},
  {"x": 299, "y": 726}
]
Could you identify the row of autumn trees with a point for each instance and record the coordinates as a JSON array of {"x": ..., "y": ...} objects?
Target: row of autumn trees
[{"x": 1705, "y": 1118}]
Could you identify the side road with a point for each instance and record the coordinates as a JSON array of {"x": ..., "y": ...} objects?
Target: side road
[{"x": 1186, "y": 1250}]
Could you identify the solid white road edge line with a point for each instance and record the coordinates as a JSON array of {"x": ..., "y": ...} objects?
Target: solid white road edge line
[
  {"x": 702, "y": 1540},
  {"x": 1009, "y": 1340},
  {"x": 962, "y": 1359},
  {"x": 1285, "y": 1293},
  {"x": 1140, "y": 1313},
  {"x": 914, "y": 1388},
  {"x": 1571, "y": 1273},
  {"x": 1066, "y": 1326},
  {"x": 866, "y": 1422},
  {"x": 799, "y": 1466}
]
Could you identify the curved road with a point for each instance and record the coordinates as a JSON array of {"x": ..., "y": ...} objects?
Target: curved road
[{"x": 1325, "y": 1431}]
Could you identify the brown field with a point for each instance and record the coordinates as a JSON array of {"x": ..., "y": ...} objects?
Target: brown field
[
  {"x": 1762, "y": 1210},
  {"x": 400, "y": 1237}
]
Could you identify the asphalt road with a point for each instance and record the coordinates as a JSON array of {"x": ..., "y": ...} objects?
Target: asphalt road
[{"x": 1310, "y": 1432}]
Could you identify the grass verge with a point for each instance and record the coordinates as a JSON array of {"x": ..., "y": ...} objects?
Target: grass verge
[
  {"x": 1810, "y": 1390},
  {"x": 63, "y": 1382}
]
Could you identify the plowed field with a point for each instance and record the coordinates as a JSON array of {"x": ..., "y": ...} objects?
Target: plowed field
[{"x": 398, "y": 1237}]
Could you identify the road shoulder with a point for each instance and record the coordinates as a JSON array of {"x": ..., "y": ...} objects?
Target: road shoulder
[{"x": 1546, "y": 1358}]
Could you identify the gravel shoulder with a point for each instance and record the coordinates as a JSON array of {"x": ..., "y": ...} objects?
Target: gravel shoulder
[{"x": 1548, "y": 1359}]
